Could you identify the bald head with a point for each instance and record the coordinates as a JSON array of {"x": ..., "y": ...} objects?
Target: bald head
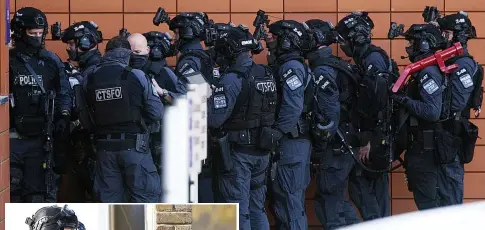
[{"x": 139, "y": 44}]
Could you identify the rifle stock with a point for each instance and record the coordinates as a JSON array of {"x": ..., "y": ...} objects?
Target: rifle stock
[{"x": 438, "y": 58}]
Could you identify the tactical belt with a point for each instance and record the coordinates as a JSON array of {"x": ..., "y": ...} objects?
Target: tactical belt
[
  {"x": 268, "y": 119},
  {"x": 115, "y": 141},
  {"x": 116, "y": 136},
  {"x": 244, "y": 137}
]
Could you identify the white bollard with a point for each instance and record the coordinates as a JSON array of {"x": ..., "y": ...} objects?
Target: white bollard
[
  {"x": 176, "y": 153},
  {"x": 185, "y": 143}
]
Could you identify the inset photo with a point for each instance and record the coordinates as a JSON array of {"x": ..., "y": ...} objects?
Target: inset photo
[
  {"x": 40, "y": 216},
  {"x": 173, "y": 216}
]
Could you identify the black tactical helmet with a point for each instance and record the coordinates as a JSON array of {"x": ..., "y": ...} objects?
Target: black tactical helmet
[
  {"x": 323, "y": 32},
  {"x": 235, "y": 40},
  {"x": 291, "y": 36},
  {"x": 356, "y": 27},
  {"x": 53, "y": 218},
  {"x": 424, "y": 39},
  {"x": 460, "y": 24},
  {"x": 28, "y": 18},
  {"x": 213, "y": 30},
  {"x": 85, "y": 34},
  {"x": 160, "y": 44},
  {"x": 191, "y": 25}
]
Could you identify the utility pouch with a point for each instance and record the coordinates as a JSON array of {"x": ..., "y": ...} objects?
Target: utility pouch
[
  {"x": 428, "y": 140},
  {"x": 268, "y": 138},
  {"x": 469, "y": 139},
  {"x": 30, "y": 125},
  {"x": 447, "y": 146},
  {"x": 226, "y": 154},
  {"x": 142, "y": 140}
]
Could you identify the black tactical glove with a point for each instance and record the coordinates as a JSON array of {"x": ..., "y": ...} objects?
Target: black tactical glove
[
  {"x": 62, "y": 123},
  {"x": 401, "y": 99},
  {"x": 269, "y": 138}
]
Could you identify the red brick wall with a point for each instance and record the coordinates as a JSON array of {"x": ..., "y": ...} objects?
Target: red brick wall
[
  {"x": 136, "y": 16},
  {"x": 4, "y": 121}
]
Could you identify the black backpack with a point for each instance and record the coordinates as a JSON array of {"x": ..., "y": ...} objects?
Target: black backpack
[{"x": 373, "y": 95}]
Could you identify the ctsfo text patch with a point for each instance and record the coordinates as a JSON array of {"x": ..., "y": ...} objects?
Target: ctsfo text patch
[{"x": 108, "y": 94}]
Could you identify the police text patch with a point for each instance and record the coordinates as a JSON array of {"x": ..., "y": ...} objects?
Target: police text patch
[
  {"x": 108, "y": 94},
  {"x": 466, "y": 80},
  {"x": 220, "y": 101},
  {"x": 430, "y": 86},
  {"x": 293, "y": 82},
  {"x": 325, "y": 84}
]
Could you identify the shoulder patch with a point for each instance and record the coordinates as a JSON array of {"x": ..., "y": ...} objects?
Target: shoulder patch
[
  {"x": 466, "y": 81},
  {"x": 460, "y": 72},
  {"x": 288, "y": 72},
  {"x": 215, "y": 73},
  {"x": 220, "y": 101},
  {"x": 430, "y": 86},
  {"x": 294, "y": 82},
  {"x": 369, "y": 67},
  {"x": 318, "y": 80},
  {"x": 188, "y": 71},
  {"x": 219, "y": 89},
  {"x": 325, "y": 84}
]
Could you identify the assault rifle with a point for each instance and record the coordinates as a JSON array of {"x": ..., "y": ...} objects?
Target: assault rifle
[{"x": 48, "y": 146}]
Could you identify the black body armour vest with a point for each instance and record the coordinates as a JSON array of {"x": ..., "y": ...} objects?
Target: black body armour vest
[
  {"x": 109, "y": 95},
  {"x": 256, "y": 104},
  {"x": 347, "y": 81},
  {"x": 206, "y": 63},
  {"x": 29, "y": 102}
]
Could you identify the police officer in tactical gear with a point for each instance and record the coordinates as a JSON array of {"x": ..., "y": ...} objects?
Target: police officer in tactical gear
[
  {"x": 431, "y": 146},
  {"x": 336, "y": 83},
  {"x": 82, "y": 39},
  {"x": 189, "y": 30},
  {"x": 54, "y": 218},
  {"x": 156, "y": 73},
  {"x": 40, "y": 90},
  {"x": 375, "y": 67},
  {"x": 242, "y": 105},
  {"x": 160, "y": 47},
  {"x": 123, "y": 104},
  {"x": 466, "y": 94},
  {"x": 459, "y": 28},
  {"x": 291, "y": 128},
  {"x": 220, "y": 61},
  {"x": 162, "y": 76}
]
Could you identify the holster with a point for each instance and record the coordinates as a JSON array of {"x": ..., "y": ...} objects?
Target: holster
[
  {"x": 468, "y": 140},
  {"x": 268, "y": 138},
  {"x": 225, "y": 159},
  {"x": 155, "y": 127},
  {"x": 142, "y": 141},
  {"x": 447, "y": 146}
]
